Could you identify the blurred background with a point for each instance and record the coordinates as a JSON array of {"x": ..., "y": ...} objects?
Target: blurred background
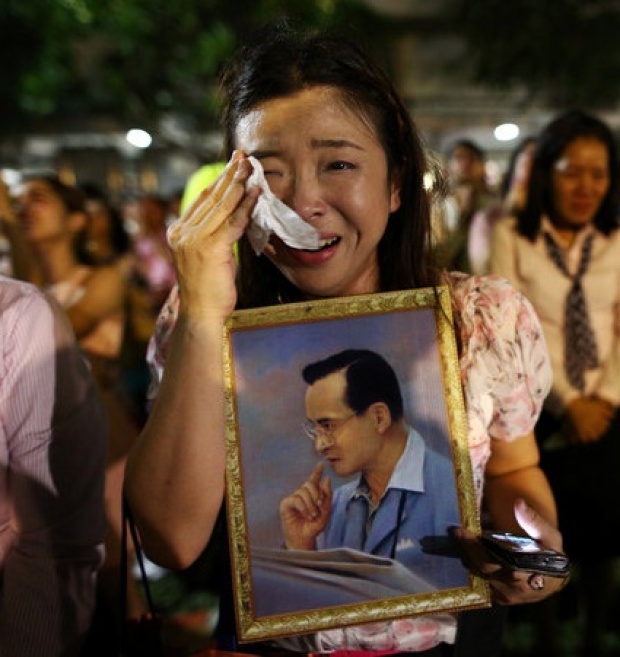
[{"x": 124, "y": 92}]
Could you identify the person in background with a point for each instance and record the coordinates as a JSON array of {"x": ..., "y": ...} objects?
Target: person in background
[
  {"x": 153, "y": 259},
  {"x": 513, "y": 192},
  {"x": 53, "y": 439},
  {"x": 513, "y": 188},
  {"x": 153, "y": 276},
  {"x": 54, "y": 219},
  {"x": 107, "y": 241},
  {"x": 561, "y": 250},
  {"x": 468, "y": 193},
  {"x": 338, "y": 148}
]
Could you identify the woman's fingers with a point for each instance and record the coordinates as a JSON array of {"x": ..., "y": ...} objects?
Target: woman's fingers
[
  {"x": 223, "y": 194},
  {"x": 507, "y": 586},
  {"x": 212, "y": 194},
  {"x": 536, "y": 526},
  {"x": 474, "y": 555},
  {"x": 224, "y": 202}
]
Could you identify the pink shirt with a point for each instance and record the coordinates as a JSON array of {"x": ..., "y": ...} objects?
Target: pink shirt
[
  {"x": 506, "y": 375},
  {"x": 52, "y": 459},
  {"x": 529, "y": 268},
  {"x": 154, "y": 261}
]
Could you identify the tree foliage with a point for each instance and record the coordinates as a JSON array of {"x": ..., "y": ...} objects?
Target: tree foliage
[
  {"x": 135, "y": 60},
  {"x": 565, "y": 52}
]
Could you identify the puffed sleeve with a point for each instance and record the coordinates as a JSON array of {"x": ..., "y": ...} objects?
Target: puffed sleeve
[
  {"x": 505, "y": 366},
  {"x": 158, "y": 345}
]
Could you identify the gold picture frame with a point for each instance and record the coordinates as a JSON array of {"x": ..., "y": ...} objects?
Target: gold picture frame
[{"x": 279, "y": 592}]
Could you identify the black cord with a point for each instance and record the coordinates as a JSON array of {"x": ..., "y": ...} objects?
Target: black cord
[
  {"x": 128, "y": 521},
  {"x": 399, "y": 517},
  {"x": 151, "y": 640}
]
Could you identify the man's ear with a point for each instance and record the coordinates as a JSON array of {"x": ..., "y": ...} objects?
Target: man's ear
[{"x": 381, "y": 416}]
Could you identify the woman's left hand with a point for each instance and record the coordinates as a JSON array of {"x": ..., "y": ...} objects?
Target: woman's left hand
[
  {"x": 508, "y": 586},
  {"x": 587, "y": 419}
]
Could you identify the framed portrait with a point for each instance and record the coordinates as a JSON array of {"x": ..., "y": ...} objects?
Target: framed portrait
[{"x": 374, "y": 560}]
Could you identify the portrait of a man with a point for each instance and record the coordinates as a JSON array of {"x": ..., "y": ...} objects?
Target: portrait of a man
[
  {"x": 346, "y": 474},
  {"x": 401, "y": 492}
]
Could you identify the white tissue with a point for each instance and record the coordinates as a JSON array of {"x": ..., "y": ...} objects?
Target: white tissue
[{"x": 270, "y": 215}]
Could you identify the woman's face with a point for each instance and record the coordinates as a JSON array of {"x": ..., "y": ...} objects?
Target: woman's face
[
  {"x": 580, "y": 181},
  {"x": 98, "y": 226},
  {"x": 327, "y": 164},
  {"x": 42, "y": 212}
]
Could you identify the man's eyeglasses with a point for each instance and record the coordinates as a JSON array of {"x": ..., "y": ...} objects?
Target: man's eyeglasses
[{"x": 325, "y": 428}]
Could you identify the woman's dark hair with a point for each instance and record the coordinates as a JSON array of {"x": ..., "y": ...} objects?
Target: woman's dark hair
[
  {"x": 279, "y": 62},
  {"x": 468, "y": 144},
  {"x": 506, "y": 181},
  {"x": 74, "y": 200},
  {"x": 370, "y": 378},
  {"x": 121, "y": 242},
  {"x": 550, "y": 144}
]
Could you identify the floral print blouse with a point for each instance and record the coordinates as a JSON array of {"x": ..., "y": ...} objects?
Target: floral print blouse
[{"x": 506, "y": 375}]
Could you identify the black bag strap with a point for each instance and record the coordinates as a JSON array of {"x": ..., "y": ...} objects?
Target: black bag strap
[{"x": 128, "y": 524}]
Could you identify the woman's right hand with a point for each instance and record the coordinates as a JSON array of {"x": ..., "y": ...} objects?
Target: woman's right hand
[{"x": 202, "y": 240}]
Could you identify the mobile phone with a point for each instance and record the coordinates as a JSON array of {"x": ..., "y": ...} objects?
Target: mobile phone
[{"x": 525, "y": 553}]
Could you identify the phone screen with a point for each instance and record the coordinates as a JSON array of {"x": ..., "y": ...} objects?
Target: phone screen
[
  {"x": 524, "y": 553},
  {"x": 518, "y": 543}
]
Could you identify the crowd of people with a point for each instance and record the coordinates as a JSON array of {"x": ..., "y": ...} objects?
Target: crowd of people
[
  {"x": 113, "y": 366},
  {"x": 560, "y": 249},
  {"x": 553, "y": 234}
]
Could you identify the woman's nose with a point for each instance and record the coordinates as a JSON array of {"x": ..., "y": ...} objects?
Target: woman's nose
[{"x": 304, "y": 196}]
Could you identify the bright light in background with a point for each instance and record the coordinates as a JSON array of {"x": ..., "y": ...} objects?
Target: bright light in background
[
  {"x": 12, "y": 177},
  {"x": 139, "y": 138},
  {"x": 506, "y": 132}
]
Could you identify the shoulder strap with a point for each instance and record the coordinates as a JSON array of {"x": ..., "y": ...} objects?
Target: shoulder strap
[{"x": 151, "y": 642}]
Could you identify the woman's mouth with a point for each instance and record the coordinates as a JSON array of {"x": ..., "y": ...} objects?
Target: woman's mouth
[{"x": 312, "y": 257}]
